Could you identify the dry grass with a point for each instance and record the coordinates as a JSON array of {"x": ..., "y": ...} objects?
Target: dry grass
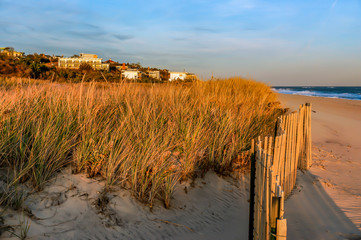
[{"x": 143, "y": 137}]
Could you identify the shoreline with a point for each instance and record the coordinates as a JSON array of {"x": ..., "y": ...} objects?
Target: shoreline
[
  {"x": 283, "y": 96},
  {"x": 333, "y": 92},
  {"x": 326, "y": 203}
]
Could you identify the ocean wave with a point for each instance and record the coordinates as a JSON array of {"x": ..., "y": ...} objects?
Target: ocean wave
[{"x": 315, "y": 93}]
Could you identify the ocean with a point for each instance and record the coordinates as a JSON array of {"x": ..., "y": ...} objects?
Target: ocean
[{"x": 353, "y": 93}]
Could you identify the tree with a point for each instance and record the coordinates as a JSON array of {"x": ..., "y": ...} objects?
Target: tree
[
  {"x": 36, "y": 68},
  {"x": 85, "y": 67},
  {"x": 9, "y": 49}
]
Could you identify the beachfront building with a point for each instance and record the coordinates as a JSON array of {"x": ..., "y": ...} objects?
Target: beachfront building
[
  {"x": 75, "y": 62},
  {"x": 9, "y": 51},
  {"x": 131, "y": 74},
  {"x": 177, "y": 76},
  {"x": 183, "y": 76},
  {"x": 154, "y": 74}
]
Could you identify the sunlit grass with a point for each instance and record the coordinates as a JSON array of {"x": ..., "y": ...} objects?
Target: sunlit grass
[{"x": 145, "y": 138}]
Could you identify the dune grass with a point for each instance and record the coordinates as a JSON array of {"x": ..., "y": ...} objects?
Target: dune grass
[{"x": 143, "y": 137}]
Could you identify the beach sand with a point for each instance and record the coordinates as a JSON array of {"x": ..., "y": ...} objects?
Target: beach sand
[
  {"x": 326, "y": 203},
  {"x": 74, "y": 207}
]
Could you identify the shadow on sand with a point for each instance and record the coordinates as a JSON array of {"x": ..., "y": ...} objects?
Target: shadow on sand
[{"x": 312, "y": 214}]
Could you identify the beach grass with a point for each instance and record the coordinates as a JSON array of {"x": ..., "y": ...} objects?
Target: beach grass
[{"x": 143, "y": 137}]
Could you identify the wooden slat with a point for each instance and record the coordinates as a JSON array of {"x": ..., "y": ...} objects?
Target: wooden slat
[
  {"x": 282, "y": 159},
  {"x": 281, "y": 229},
  {"x": 308, "y": 137},
  {"x": 267, "y": 195},
  {"x": 287, "y": 156},
  {"x": 294, "y": 151}
]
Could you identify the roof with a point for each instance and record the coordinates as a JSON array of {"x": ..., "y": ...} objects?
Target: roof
[
  {"x": 178, "y": 72},
  {"x": 110, "y": 61},
  {"x": 80, "y": 58}
]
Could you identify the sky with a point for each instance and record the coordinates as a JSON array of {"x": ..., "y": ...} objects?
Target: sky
[{"x": 281, "y": 43}]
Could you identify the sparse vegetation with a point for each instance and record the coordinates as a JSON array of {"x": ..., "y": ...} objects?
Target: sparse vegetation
[
  {"x": 21, "y": 231},
  {"x": 144, "y": 137},
  {"x": 44, "y": 67}
]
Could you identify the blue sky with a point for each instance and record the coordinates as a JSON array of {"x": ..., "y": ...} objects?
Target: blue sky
[{"x": 277, "y": 42}]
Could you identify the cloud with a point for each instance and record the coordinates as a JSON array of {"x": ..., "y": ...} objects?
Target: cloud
[
  {"x": 180, "y": 39},
  {"x": 14, "y": 29},
  {"x": 84, "y": 34},
  {"x": 205, "y": 30},
  {"x": 123, "y": 37},
  {"x": 86, "y": 25}
]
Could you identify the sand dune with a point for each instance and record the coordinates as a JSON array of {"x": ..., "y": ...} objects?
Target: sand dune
[
  {"x": 73, "y": 207},
  {"x": 326, "y": 203}
]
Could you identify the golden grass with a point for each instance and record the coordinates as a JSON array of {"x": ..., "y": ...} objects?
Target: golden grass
[{"x": 144, "y": 137}]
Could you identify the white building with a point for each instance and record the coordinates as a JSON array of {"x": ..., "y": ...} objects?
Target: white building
[
  {"x": 90, "y": 59},
  {"x": 177, "y": 76},
  {"x": 130, "y": 74}
]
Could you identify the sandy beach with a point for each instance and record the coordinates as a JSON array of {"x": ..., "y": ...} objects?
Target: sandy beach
[
  {"x": 73, "y": 207},
  {"x": 326, "y": 203}
]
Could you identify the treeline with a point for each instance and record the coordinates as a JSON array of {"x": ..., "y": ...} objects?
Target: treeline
[{"x": 40, "y": 66}]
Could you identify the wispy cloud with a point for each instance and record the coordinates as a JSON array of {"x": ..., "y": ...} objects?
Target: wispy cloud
[
  {"x": 179, "y": 39},
  {"x": 85, "y": 34},
  {"x": 123, "y": 37}
]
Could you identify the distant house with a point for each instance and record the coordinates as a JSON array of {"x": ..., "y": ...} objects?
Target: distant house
[
  {"x": 182, "y": 76},
  {"x": 75, "y": 62},
  {"x": 11, "y": 52},
  {"x": 110, "y": 61},
  {"x": 113, "y": 65},
  {"x": 154, "y": 74},
  {"x": 177, "y": 76},
  {"x": 132, "y": 74}
]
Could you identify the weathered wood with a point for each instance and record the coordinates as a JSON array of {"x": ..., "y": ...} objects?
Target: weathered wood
[
  {"x": 276, "y": 154},
  {"x": 287, "y": 156},
  {"x": 281, "y": 233},
  {"x": 267, "y": 195},
  {"x": 294, "y": 161},
  {"x": 301, "y": 130},
  {"x": 308, "y": 146},
  {"x": 282, "y": 159}
]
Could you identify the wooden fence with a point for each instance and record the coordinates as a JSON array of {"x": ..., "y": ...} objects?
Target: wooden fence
[{"x": 274, "y": 171}]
